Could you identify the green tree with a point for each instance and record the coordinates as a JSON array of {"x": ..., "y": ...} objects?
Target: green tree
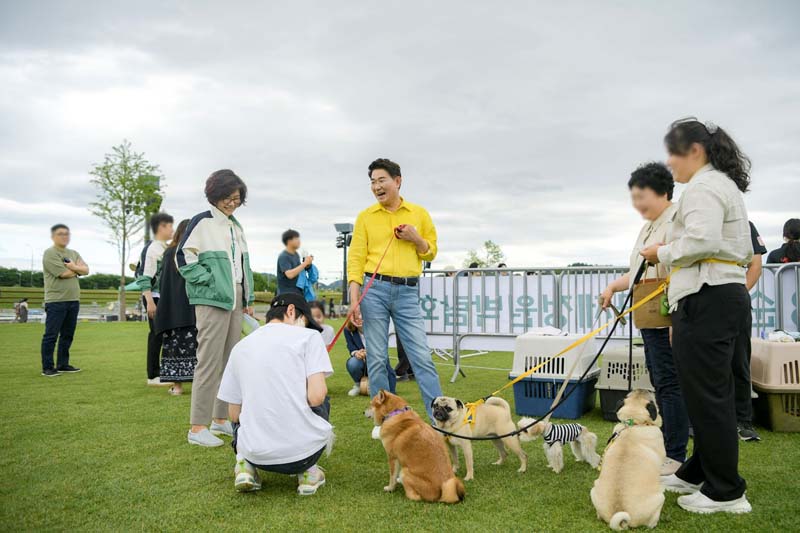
[
  {"x": 488, "y": 257},
  {"x": 128, "y": 187}
]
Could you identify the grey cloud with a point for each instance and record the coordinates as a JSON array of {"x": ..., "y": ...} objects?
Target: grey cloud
[{"x": 518, "y": 122}]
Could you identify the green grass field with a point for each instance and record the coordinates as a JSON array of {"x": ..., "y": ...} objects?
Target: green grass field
[{"x": 99, "y": 450}]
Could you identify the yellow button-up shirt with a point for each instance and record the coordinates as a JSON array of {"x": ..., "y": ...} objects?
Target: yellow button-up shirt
[{"x": 373, "y": 232}]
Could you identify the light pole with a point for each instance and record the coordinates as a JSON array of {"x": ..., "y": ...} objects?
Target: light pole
[
  {"x": 343, "y": 241},
  {"x": 31, "y": 247}
]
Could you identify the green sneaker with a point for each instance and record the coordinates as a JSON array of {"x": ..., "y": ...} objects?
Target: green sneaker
[
  {"x": 309, "y": 481},
  {"x": 247, "y": 478}
]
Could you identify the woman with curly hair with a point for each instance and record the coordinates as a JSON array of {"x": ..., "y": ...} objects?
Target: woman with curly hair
[{"x": 706, "y": 253}]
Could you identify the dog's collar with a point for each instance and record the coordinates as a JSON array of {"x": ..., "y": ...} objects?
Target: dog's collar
[{"x": 396, "y": 412}]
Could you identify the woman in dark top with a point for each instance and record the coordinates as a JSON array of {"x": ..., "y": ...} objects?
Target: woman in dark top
[
  {"x": 175, "y": 321},
  {"x": 790, "y": 251}
]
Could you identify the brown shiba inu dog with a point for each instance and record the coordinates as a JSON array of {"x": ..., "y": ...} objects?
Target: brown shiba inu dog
[{"x": 416, "y": 452}]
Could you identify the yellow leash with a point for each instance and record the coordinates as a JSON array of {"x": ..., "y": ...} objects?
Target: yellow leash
[{"x": 472, "y": 406}]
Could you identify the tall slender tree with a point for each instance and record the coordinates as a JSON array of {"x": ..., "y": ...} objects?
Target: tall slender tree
[
  {"x": 128, "y": 187},
  {"x": 489, "y": 257}
]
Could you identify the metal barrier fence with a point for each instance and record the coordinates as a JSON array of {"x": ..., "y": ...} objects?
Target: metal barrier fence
[{"x": 487, "y": 308}]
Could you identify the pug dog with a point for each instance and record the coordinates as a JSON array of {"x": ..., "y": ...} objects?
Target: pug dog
[
  {"x": 628, "y": 492},
  {"x": 491, "y": 418}
]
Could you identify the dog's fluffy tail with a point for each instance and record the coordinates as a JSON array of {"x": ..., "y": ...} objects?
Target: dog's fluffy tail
[
  {"x": 589, "y": 448},
  {"x": 494, "y": 400},
  {"x": 620, "y": 521},
  {"x": 452, "y": 491}
]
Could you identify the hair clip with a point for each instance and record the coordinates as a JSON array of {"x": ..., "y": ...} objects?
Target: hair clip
[{"x": 711, "y": 128}]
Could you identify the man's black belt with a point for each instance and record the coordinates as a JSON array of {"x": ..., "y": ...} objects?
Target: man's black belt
[{"x": 410, "y": 282}]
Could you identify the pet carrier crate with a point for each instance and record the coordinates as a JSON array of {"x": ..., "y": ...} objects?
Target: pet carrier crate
[
  {"x": 775, "y": 373},
  {"x": 613, "y": 380},
  {"x": 531, "y": 349},
  {"x": 533, "y": 396}
]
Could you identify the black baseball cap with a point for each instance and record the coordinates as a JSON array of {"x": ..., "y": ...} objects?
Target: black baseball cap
[{"x": 300, "y": 303}]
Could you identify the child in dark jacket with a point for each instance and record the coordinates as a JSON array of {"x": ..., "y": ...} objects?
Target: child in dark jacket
[{"x": 357, "y": 363}]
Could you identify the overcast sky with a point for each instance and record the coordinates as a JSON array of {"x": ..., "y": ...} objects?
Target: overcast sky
[{"x": 518, "y": 122}]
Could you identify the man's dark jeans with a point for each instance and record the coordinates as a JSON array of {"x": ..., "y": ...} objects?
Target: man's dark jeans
[
  {"x": 664, "y": 376},
  {"x": 298, "y": 467},
  {"x": 62, "y": 317}
]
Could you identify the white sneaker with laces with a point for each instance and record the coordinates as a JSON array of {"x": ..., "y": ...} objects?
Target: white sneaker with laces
[
  {"x": 309, "y": 481},
  {"x": 355, "y": 391},
  {"x": 225, "y": 428},
  {"x": 700, "y": 503},
  {"x": 670, "y": 466},
  {"x": 204, "y": 438},
  {"x": 247, "y": 478},
  {"x": 673, "y": 483}
]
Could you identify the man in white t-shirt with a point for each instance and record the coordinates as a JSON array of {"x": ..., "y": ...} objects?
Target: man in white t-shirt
[{"x": 275, "y": 388}]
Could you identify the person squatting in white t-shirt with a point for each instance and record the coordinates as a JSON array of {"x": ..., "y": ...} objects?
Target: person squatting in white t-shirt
[{"x": 274, "y": 384}]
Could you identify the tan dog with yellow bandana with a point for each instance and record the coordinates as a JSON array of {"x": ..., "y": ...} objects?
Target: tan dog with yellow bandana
[{"x": 490, "y": 418}]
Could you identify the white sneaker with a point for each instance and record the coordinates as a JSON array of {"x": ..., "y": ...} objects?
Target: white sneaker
[
  {"x": 309, "y": 481},
  {"x": 247, "y": 478},
  {"x": 225, "y": 428},
  {"x": 700, "y": 503},
  {"x": 156, "y": 382},
  {"x": 204, "y": 438},
  {"x": 669, "y": 467},
  {"x": 673, "y": 483},
  {"x": 355, "y": 391}
]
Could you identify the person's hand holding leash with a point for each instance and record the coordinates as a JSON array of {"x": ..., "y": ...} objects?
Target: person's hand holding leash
[
  {"x": 606, "y": 296},
  {"x": 651, "y": 253},
  {"x": 407, "y": 232}
]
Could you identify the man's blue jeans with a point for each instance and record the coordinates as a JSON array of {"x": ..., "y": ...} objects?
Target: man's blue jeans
[
  {"x": 59, "y": 325},
  {"x": 400, "y": 303},
  {"x": 664, "y": 376},
  {"x": 357, "y": 370}
]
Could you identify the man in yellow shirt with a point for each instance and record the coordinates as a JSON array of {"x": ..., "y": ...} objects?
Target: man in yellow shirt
[{"x": 408, "y": 232}]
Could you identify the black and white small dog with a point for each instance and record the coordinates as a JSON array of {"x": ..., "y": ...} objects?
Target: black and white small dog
[{"x": 582, "y": 441}]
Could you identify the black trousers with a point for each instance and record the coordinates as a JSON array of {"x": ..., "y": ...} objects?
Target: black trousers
[
  {"x": 153, "y": 346},
  {"x": 59, "y": 325},
  {"x": 710, "y": 340},
  {"x": 744, "y": 399},
  {"x": 403, "y": 364},
  {"x": 297, "y": 467}
]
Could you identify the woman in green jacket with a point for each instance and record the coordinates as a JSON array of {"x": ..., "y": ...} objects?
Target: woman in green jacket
[{"x": 212, "y": 257}]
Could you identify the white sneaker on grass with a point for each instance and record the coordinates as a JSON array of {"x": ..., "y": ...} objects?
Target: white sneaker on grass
[
  {"x": 247, "y": 478},
  {"x": 204, "y": 438},
  {"x": 700, "y": 503},
  {"x": 226, "y": 428},
  {"x": 355, "y": 391},
  {"x": 670, "y": 466},
  {"x": 309, "y": 481},
  {"x": 673, "y": 483},
  {"x": 156, "y": 382}
]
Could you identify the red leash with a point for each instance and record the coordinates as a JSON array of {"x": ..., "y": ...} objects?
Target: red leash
[{"x": 363, "y": 293}]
